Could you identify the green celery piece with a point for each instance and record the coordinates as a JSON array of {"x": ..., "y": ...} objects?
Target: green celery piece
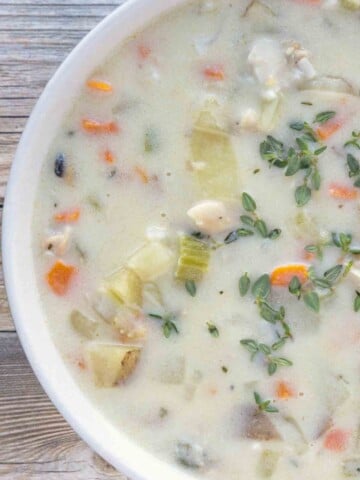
[
  {"x": 213, "y": 159},
  {"x": 193, "y": 260}
]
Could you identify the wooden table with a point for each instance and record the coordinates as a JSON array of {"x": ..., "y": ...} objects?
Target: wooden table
[{"x": 35, "y": 441}]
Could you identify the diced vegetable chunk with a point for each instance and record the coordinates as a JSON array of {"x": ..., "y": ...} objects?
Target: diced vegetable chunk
[
  {"x": 351, "y": 4},
  {"x": 96, "y": 127},
  {"x": 69, "y": 216},
  {"x": 213, "y": 159},
  {"x": 100, "y": 85},
  {"x": 112, "y": 364},
  {"x": 336, "y": 440},
  {"x": 343, "y": 192},
  {"x": 151, "y": 261},
  {"x": 126, "y": 286},
  {"x": 193, "y": 260},
  {"x": 83, "y": 325},
  {"x": 282, "y": 275},
  {"x": 257, "y": 425},
  {"x": 59, "y": 277},
  {"x": 267, "y": 463},
  {"x": 270, "y": 110}
]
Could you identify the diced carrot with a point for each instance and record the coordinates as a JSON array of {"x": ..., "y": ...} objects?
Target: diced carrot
[
  {"x": 214, "y": 72},
  {"x": 336, "y": 440},
  {"x": 142, "y": 174},
  {"x": 144, "y": 51},
  {"x": 69, "y": 216},
  {"x": 342, "y": 192},
  {"x": 100, "y": 85},
  {"x": 281, "y": 276},
  {"x": 327, "y": 129},
  {"x": 284, "y": 390},
  {"x": 59, "y": 277},
  {"x": 109, "y": 157},
  {"x": 95, "y": 127},
  {"x": 308, "y": 256}
]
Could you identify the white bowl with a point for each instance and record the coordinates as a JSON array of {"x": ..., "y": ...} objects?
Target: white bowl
[{"x": 20, "y": 280}]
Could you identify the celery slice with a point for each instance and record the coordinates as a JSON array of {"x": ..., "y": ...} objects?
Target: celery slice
[
  {"x": 112, "y": 364},
  {"x": 267, "y": 463},
  {"x": 151, "y": 261},
  {"x": 270, "y": 111},
  {"x": 213, "y": 159},
  {"x": 351, "y": 4},
  {"x": 193, "y": 260},
  {"x": 82, "y": 325},
  {"x": 126, "y": 286}
]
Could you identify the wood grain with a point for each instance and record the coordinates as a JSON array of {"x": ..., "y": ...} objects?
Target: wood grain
[{"x": 35, "y": 441}]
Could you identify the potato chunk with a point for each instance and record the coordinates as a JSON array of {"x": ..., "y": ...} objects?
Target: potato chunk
[
  {"x": 82, "y": 325},
  {"x": 151, "y": 261},
  {"x": 112, "y": 364},
  {"x": 126, "y": 286}
]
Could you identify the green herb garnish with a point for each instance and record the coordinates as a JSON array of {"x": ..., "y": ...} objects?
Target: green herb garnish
[
  {"x": 264, "y": 405},
  {"x": 190, "y": 287},
  {"x": 354, "y": 141},
  {"x": 213, "y": 330},
  {"x": 168, "y": 323},
  {"x": 261, "y": 288},
  {"x": 324, "y": 117},
  {"x": 357, "y": 301},
  {"x": 244, "y": 284}
]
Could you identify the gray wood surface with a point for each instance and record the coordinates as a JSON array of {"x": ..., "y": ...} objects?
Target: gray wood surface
[{"x": 35, "y": 441}]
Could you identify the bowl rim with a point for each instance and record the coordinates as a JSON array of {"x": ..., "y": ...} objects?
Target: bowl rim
[{"x": 17, "y": 255}]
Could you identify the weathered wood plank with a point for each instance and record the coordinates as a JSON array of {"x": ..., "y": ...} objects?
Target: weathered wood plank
[
  {"x": 35, "y": 37},
  {"x": 35, "y": 440}
]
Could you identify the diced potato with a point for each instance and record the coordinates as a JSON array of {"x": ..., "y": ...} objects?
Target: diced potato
[
  {"x": 351, "y": 4},
  {"x": 214, "y": 216},
  {"x": 213, "y": 159},
  {"x": 193, "y": 260},
  {"x": 112, "y": 364},
  {"x": 126, "y": 286},
  {"x": 256, "y": 425},
  {"x": 83, "y": 325},
  {"x": 151, "y": 261},
  {"x": 267, "y": 463},
  {"x": 104, "y": 304}
]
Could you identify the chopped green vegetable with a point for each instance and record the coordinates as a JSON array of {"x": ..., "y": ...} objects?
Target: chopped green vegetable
[
  {"x": 83, "y": 325},
  {"x": 213, "y": 159},
  {"x": 193, "y": 260}
]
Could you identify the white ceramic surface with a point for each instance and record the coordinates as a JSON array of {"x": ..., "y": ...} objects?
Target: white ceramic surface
[{"x": 18, "y": 263}]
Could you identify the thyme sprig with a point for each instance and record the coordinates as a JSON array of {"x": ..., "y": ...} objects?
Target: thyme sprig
[
  {"x": 264, "y": 405},
  {"x": 354, "y": 140},
  {"x": 168, "y": 323},
  {"x": 266, "y": 352},
  {"x": 252, "y": 223},
  {"x": 302, "y": 156}
]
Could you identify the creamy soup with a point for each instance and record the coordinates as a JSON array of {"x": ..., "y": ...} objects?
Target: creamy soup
[{"x": 196, "y": 238}]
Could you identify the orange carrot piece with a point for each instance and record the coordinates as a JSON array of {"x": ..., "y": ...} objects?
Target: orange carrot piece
[
  {"x": 142, "y": 174},
  {"x": 342, "y": 192},
  {"x": 214, "y": 72},
  {"x": 95, "y": 127},
  {"x": 281, "y": 276},
  {"x": 109, "y": 157},
  {"x": 99, "y": 85},
  {"x": 284, "y": 390},
  {"x": 336, "y": 440},
  {"x": 68, "y": 216},
  {"x": 59, "y": 277},
  {"x": 327, "y": 129},
  {"x": 144, "y": 51}
]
